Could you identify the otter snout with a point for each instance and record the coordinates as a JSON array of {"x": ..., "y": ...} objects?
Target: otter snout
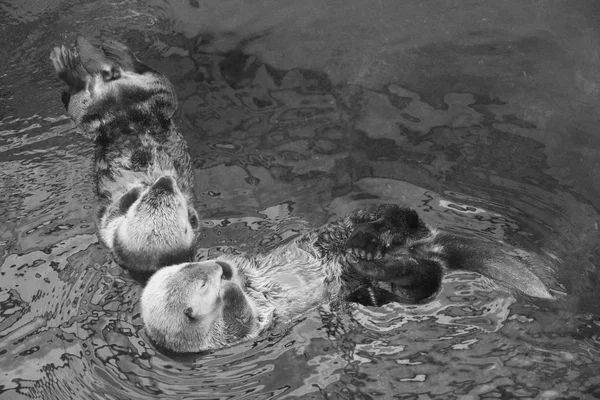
[
  {"x": 163, "y": 191},
  {"x": 164, "y": 185}
]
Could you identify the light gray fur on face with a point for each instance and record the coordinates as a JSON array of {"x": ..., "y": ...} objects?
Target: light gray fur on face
[
  {"x": 157, "y": 220},
  {"x": 260, "y": 291},
  {"x": 197, "y": 306},
  {"x": 182, "y": 307}
]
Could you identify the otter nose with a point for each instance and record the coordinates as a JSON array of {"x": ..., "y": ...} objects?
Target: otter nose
[
  {"x": 227, "y": 271},
  {"x": 164, "y": 184}
]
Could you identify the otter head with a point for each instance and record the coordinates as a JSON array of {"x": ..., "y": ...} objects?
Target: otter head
[
  {"x": 197, "y": 306},
  {"x": 152, "y": 227}
]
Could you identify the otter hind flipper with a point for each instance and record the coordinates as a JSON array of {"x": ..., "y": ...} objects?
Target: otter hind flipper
[
  {"x": 402, "y": 222},
  {"x": 381, "y": 226},
  {"x": 123, "y": 56},
  {"x": 69, "y": 69},
  {"x": 367, "y": 232},
  {"x": 96, "y": 62},
  {"x": 375, "y": 250},
  {"x": 412, "y": 280}
]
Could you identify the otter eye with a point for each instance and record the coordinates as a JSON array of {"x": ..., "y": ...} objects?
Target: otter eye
[{"x": 189, "y": 312}]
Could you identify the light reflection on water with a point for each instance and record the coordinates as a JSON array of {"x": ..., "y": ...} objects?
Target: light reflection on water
[{"x": 282, "y": 141}]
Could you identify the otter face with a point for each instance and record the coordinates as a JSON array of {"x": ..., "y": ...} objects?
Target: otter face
[
  {"x": 152, "y": 227},
  {"x": 193, "y": 307}
]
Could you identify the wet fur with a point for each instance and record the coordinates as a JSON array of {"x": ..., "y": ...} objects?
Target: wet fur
[
  {"x": 341, "y": 260},
  {"x": 272, "y": 287},
  {"x": 126, "y": 108}
]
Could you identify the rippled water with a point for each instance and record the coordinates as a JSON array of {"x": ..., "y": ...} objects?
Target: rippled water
[{"x": 484, "y": 118}]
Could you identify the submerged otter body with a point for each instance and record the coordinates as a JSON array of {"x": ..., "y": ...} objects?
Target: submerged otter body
[
  {"x": 142, "y": 165},
  {"x": 211, "y": 304}
]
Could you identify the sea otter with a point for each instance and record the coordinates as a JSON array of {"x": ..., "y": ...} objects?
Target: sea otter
[
  {"x": 205, "y": 305},
  {"x": 142, "y": 165}
]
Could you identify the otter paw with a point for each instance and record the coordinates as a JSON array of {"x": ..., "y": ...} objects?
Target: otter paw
[{"x": 366, "y": 242}]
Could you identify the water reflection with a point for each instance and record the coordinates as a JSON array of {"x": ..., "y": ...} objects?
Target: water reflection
[{"x": 296, "y": 113}]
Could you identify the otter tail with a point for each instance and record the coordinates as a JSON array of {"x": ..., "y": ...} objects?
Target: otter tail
[{"x": 493, "y": 262}]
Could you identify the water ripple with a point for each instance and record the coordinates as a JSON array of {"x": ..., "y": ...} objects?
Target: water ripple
[{"x": 285, "y": 136}]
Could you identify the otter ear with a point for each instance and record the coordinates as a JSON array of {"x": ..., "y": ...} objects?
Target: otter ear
[{"x": 193, "y": 217}]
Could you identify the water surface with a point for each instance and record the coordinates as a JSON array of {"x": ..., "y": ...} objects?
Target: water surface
[{"x": 482, "y": 117}]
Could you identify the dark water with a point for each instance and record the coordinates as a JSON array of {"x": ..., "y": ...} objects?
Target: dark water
[{"x": 484, "y": 117}]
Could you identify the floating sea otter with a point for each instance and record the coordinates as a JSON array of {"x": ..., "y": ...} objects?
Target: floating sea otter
[
  {"x": 142, "y": 165},
  {"x": 198, "y": 306}
]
